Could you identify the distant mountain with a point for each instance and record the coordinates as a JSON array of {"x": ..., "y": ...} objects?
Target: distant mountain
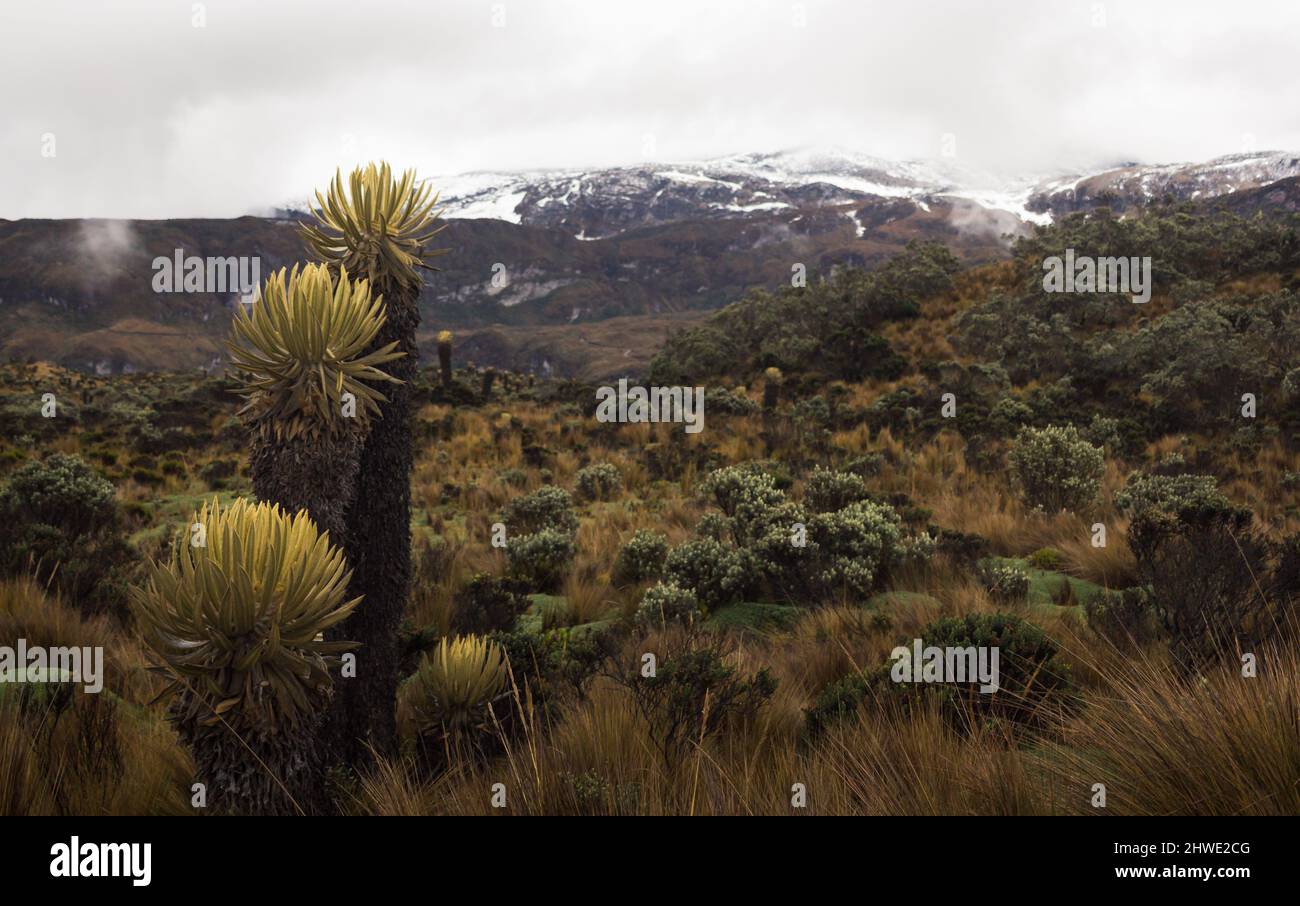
[
  {"x": 1134, "y": 184},
  {"x": 568, "y": 248},
  {"x": 601, "y": 203}
]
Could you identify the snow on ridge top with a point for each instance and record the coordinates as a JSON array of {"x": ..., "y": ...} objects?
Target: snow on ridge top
[
  {"x": 494, "y": 206},
  {"x": 806, "y": 165},
  {"x": 1252, "y": 168},
  {"x": 683, "y": 176}
]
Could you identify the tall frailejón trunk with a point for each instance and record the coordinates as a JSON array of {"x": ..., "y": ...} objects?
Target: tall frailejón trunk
[
  {"x": 378, "y": 549},
  {"x": 378, "y": 226},
  {"x": 314, "y": 474}
]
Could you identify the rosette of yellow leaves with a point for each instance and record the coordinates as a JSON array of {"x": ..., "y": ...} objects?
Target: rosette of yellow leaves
[
  {"x": 236, "y": 615},
  {"x": 303, "y": 347},
  {"x": 376, "y": 225},
  {"x": 454, "y": 683}
]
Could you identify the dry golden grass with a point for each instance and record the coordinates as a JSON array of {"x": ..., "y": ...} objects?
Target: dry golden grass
[
  {"x": 1167, "y": 744},
  {"x": 1161, "y": 742},
  {"x": 69, "y": 752}
]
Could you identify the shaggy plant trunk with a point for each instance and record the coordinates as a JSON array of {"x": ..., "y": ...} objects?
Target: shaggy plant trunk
[
  {"x": 488, "y": 377},
  {"x": 378, "y": 548},
  {"x": 249, "y": 772},
  {"x": 317, "y": 475},
  {"x": 444, "y": 363},
  {"x": 771, "y": 392}
]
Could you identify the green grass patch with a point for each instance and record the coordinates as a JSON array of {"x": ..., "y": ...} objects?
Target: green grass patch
[
  {"x": 754, "y": 616},
  {"x": 1047, "y": 588}
]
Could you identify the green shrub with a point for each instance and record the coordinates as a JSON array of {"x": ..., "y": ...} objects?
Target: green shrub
[
  {"x": 718, "y": 401},
  {"x": 540, "y": 559},
  {"x": 841, "y": 699},
  {"x": 664, "y": 603},
  {"x": 514, "y": 477},
  {"x": 1031, "y": 673},
  {"x": 1048, "y": 558},
  {"x": 827, "y": 490},
  {"x": 1216, "y": 584},
  {"x": 600, "y": 481},
  {"x": 546, "y": 508},
  {"x": 61, "y": 518},
  {"x": 853, "y": 548},
  {"x": 1009, "y": 415},
  {"x": 716, "y": 573},
  {"x": 487, "y": 604},
  {"x": 641, "y": 558},
  {"x": 693, "y": 695},
  {"x": 150, "y": 477},
  {"x": 1057, "y": 469},
  {"x": 962, "y": 548},
  {"x": 553, "y": 663},
  {"x": 1122, "y": 616},
  {"x": 216, "y": 473}
]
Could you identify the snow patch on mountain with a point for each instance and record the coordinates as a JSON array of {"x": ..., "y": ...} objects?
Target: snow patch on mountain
[
  {"x": 492, "y": 205},
  {"x": 601, "y": 203}
]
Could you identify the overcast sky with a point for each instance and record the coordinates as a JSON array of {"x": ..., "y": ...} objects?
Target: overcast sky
[{"x": 167, "y": 108}]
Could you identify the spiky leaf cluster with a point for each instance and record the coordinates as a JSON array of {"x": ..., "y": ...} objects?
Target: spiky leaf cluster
[
  {"x": 303, "y": 347},
  {"x": 455, "y": 683},
  {"x": 237, "y": 620},
  {"x": 376, "y": 225}
]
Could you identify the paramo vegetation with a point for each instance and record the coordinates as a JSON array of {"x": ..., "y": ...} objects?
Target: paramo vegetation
[{"x": 919, "y": 451}]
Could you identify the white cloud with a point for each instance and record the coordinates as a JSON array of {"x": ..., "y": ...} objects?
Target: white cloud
[{"x": 156, "y": 118}]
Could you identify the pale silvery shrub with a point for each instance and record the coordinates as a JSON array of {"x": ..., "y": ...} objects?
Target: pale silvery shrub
[
  {"x": 854, "y": 547},
  {"x": 1006, "y": 582},
  {"x": 665, "y": 602},
  {"x": 1170, "y": 494},
  {"x": 600, "y": 481},
  {"x": 717, "y": 574},
  {"x": 740, "y": 489},
  {"x": 827, "y": 490},
  {"x": 546, "y": 508},
  {"x": 1057, "y": 469},
  {"x": 541, "y": 558},
  {"x": 641, "y": 558}
]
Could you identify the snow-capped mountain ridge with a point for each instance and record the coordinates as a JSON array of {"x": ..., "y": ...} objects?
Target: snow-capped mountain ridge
[{"x": 604, "y": 202}]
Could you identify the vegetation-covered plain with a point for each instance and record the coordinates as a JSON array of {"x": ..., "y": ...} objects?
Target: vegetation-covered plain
[{"x": 1106, "y": 491}]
